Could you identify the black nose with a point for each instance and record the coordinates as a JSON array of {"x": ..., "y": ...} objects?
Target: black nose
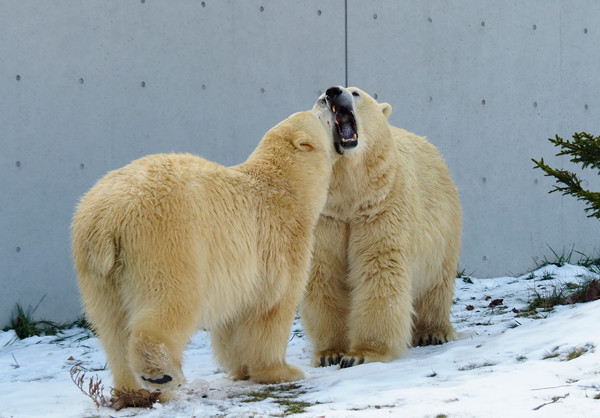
[{"x": 333, "y": 92}]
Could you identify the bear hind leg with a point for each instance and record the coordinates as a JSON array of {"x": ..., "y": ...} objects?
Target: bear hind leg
[
  {"x": 165, "y": 316},
  {"x": 106, "y": 313}
]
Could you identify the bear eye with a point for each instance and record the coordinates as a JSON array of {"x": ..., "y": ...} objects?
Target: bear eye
[{"x": 355, "y": 94}]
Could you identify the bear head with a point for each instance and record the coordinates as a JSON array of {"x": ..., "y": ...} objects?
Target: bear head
[{"x": 358, "y": 118}]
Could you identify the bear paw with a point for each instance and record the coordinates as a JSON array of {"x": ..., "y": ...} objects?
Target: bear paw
[
  {"x": 438, "y": 337},
  {"x": 159, "y": 381},
  {"x": 328, "y": 358},
  {"x": 349, "y": 360},
  {"x": 368, "y": 355},
  {"x": 154, "y": 368}
]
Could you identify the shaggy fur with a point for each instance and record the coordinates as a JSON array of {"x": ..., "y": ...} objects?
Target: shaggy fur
[
  {"x": 172, "y": 242},
  {"x": 386, "y": 247}
]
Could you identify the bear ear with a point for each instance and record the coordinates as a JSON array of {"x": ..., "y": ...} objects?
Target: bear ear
[
  {"x": 303, "y": 142},
  {"x": 386, "y": 108}
]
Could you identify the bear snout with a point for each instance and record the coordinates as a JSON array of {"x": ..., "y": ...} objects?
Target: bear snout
[
  {"x": 333, "y": 92},
  {"x": 339, "y": 97}
]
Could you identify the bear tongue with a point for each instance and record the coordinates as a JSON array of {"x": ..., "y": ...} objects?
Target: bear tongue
[
  {"x": 347, "y": 131},
  {"x": 344, "y": 119}
]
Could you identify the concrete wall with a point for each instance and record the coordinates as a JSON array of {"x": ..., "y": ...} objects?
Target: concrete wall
[{"x": 86, "y": 87}]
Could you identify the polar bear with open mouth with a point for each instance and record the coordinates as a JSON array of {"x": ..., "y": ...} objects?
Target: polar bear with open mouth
[{"x": 387, "y": 243}]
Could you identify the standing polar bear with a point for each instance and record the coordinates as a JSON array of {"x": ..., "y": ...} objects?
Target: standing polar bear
[
  {"x": 172, "y": 242},
  {"x": 387, "y": 243}
]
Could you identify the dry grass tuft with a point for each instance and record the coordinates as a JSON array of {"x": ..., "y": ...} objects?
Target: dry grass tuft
[{"x": 119, "y": 398}]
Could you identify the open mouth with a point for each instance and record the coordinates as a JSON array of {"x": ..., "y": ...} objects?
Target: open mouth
[{"x": 345, "y": 123}]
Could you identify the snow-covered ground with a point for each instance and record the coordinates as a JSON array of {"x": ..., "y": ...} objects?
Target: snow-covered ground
[{"x": 504, "y": 364}]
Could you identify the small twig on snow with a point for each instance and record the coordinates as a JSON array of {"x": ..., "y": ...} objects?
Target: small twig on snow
[
  {"x": 16, "y": 365},
  {"x": 554, "y": 400}
]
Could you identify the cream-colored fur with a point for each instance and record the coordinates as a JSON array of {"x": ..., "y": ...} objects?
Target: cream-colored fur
[
  {"x": 386, "y": 248},
  {"x": 172, "y": 242}
]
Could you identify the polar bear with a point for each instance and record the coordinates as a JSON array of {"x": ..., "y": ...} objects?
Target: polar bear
[
  {"x": 172, "y": 243},
  {"x": 387, "y": 243}
]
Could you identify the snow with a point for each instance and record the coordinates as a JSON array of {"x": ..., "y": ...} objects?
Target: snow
[{"x": 503, "y": 364}]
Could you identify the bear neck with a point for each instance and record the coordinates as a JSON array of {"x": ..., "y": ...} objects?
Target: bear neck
[
  {"x": 370, "y": 163},
  {"x": 363, "y": 180},
  {"x": 280, "y": 174}
]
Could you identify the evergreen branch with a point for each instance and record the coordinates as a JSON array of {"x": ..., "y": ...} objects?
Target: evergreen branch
[
  {"x": 584, "y": 149},
  {"x": 571, "y": 185}
]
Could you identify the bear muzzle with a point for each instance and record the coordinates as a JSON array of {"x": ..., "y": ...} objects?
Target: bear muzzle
[{"x": 341, "y": 103}]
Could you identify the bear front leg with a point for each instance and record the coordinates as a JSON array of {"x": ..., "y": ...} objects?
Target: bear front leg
[
  {"x": 261, "y": 339},
  {"x": 380, "y": 323},
  {"x": 227, "y": 350},
  {"x": 432, "y": 307},
  {"x": 324, "y": 309}
]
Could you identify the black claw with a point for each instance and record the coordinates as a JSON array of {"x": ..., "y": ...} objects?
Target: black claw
[
  {"x": 165, "y": 379},
  {"x": 347, "y": 363},
  {"x": 362, "y": 361},
  {"x": 323, "y": 361}
]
